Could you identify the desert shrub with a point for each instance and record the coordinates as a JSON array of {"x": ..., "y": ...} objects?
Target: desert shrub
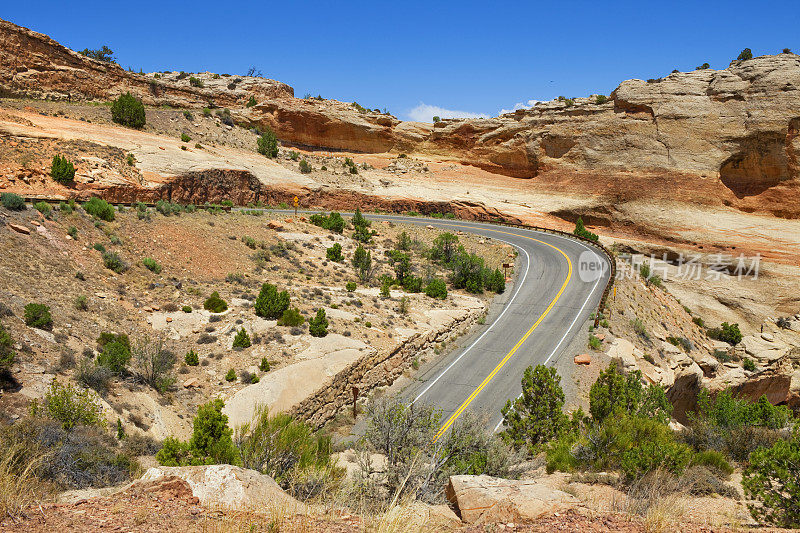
[
  {"x": 436, "y": 288},
  {"x": 749, "y": 364},
  {"x": 713, "y": 459},
  {"x": 494, "y": 280},
  {"x": 231, "y": 375},
  {"x": 11, "y": 201},
  {"x": 726, "y": 333},
  {"x": 242, "y": 339},
  {"x": 444, "y": 248},
  {"x": 151, "y": 265},
  {"x": 614, "y": 391},
  {"x": 412, "y": 283},
  {"x": 44, "y": 208},
  {"x": 251, "y": 102},
  {"x": 350, "y": 286},
  {"x": 115, "y": 356},
  {"x": 362, "y": 263},
  {"x": 72, "y": 231},
  {"x": 247, "y": 378},
  {"x": 467, "y": 271},
  {"x": 403, "y": 242},
  {"x": 195, "y": 82},
  {"x": 211, "y": 441},
  {"x": 362, "y": 232},
  {"x": 536, "y": 417},
  {"x": 745, "y": 55},
  {"x": 215, "y": 304},
  {"x": 70, "y": 406},
  {"x": 185, "y": 137},
  {"x": 640, "y": 329},
  {"x": 191, "y": 358},
  {"x": 113, "y": 261},
  {"x": 105, "y": 54},
  {"x": 581, "y": 231},
  {"x": 268, "y": 143},
  {"x": 186, "y": 308},
  {"x": 333, "y": 222},
  {"x": 771, "y": 479},
  {"x": 7, "y": 354},
  {"x": 264, "y": 365},
  {"x": 153, "y": 363},
  {"x": 400, "y": 262},
  {"x": 600, "y": 99},
  {"x": 128, "y": 111},
  {"x": 289, "y": 451},
  {"x": 62, "y": 170},
  {"x": 318, "y": 326},
  {"x": 291, "y": 317},
  {"x": 93, "y": 376},
  {"x": 206, "y": 112},
  {"x": 334, "y": 253},
  {"x": 594, "y": 343},
  {"x": 270, "y": 303},
  {"x": 38, "y": 316},
  {"x": 305, "y": 167},
  {"x": 99, "y": 208},
  {"x": 81, "y": 302}
]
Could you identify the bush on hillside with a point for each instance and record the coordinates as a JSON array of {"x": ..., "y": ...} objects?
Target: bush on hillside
[
  {"x": 334, "y": 253},
  {"x": 113, "y": 261},
  {"x": 268, "y": 143},
  {"x": 444, "y": 248},
  {"x": 333, "y": 222},
  {"x": 745, "y": 55},
  {"x": 270, "y": 303},
  {"x": 436, "y": 288},
  {"x": 99, "y": 208},
  {"x": 115, "y": 354},
  {"x": 581, "y": 231},
  {"x": 7, "y": 354},
  {"x": 291, "y": 318},
  {"x": 44, "y": 208},
  {"x": 191, "y": 358},
  {"x": 151, "y": 265},
  {"x": 305, "y": 167},
  {"x": 211, "y": 441},
  {"x": 729, "y": 333},
  {"x": 318, "y": 326},
  {"x": 11, "y": 201},
  {"x": 771, "y": 479},
  {"x": 38, "y": 316},
  {"x": 128, "y": 111},
  {"x": 617, "y": 392},
  {"x": 62, "y": 170},
  {"x": 242, "y": 339},
  {"x": 153, "y": 364},
  {"x": 215, "y": 304},
  {"x": 362, "y": 263},
  {"x": 70, "y": 406}
]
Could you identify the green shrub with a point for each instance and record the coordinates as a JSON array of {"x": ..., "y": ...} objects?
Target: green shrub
[
  {"x": 44, "y": 208},
  {"x": 206, "y": 112},
  {"x": 91, "y": 375},
  {"x": 11, "y": 201},
  {"x": 99, "y": 209},
  {"x": 231, "y": 375},
  {"x": 264, "y": 365},
  {"x": 7, "y": 354},
  {"x": 270, "y": 303},
  {"x": 362, "y": 232},
  {"x": 211, "y": 441},
  {"x": 400, "y": 262},
  {"x": 71, "y": 406},
  {"x": 185, "y": 137},
  {"x": 745, "y": 55},
  {"x": 62, "y": 170},
  {"x": 771, "y": 479},
  {"x": 436, "y": 288},
  {"x": 614, "y": 391},
  {"x": 412, "y": 283},
  {"x": 115, "y": 355},
  {"x": 38, "y": 316},
  {"x": 334, "y": 253},
  {"x": 128, "y": 111},
  {"x": 713, "y": 459},
  {"x": 333, "y": 222},
  {"x": 704, "y": 66},
  {"x": 600, "y": 99},
  {"x": 186, "y": 308},
  {"x": 268, "y": 143},
  {"x": 99, "y": 247},
  {"x": 195, "y": 82},
  {"x": 151, "y": 265},
  {"x": 595, "y": 343},
  {"x": 305, "y": 167},
  {"x": 467, "y": 271},
  {"x": 350, "y": 286},
  {"x": 113, "y": 261},
  {"x": 726, "y": 333},
  {"x": 494, "y": 280},
  {"x": 291, "y": 317},
  {"x": 536, "y": 417},
  {"x": 749, "y": 364},
  {"x": 362, "y": 263},
  {"x": 318, "y": 326},
  {"x": 242, "y": 339},
  {"x": 81, "y": 303},
  {"x": 215, "y": 304},
  {"x": 646, "y": 456},
  {"x": 581, "y": 231},
  {"x": 191, "y": 358},
  {"x": 72, "y": 231},
  {"x": 251, "y": 102},
  {"x": 444, "y": 248}
]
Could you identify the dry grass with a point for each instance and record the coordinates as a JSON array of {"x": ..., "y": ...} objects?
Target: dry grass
[{"x": 19, "y": 486}]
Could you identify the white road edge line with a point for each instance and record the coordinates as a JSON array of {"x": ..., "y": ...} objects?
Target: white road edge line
[
  {"x": 496, "y": 320},
  {"x": 574, "y": 320}
]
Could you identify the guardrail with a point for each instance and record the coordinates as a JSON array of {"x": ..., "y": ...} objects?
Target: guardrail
[{"x": 609, "y": 255}]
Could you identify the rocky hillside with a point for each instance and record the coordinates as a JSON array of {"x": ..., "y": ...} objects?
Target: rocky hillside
[{"x": 708, "y": 136}]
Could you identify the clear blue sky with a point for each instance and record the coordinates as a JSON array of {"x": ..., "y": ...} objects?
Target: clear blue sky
[{"x": 477, "y": 57}]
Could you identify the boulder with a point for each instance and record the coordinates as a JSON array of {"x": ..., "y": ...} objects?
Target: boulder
[
  {"x": 683, "y": 393},
  {"x": 583, "y": 359},
  {"x": 228, "y": 486},
  {"x": 762, "y": 349},
  {"x": 20, "y": 229},
  {"x": 486, "y": 499},
  {"x": 623, "y": 350},
  {"x": 274, "y": 224}
]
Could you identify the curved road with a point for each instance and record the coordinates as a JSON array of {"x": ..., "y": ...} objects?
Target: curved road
[{"x": 549, "y": 302}]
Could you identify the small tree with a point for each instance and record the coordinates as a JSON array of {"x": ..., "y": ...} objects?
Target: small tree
[
  {"x": 334, "y": 253},
  {"x": 271, "y": 304},
  {"x": 115, "y": 356},
  {"x": 211, "y": 441},
  {"x": 251, "y": 102},
  {"x": 581, "y": 231},
  {"x": 11, "y": 201},
  {"x": 615, "y": 391},
  {"x": 191, "y": 358},
  {"x": 436, "y": 288},
  {"x": 600, "y": 99},
  {"x": 215, "y": 304},
  {"x": 101, "y": 54},
  {"x": 292, "y": 318},
  {"x": 268, "y": 143},
  {"x": 99, "y": 208},
  {"x": 362, "y": 263},
  {"x": 242, "y": 339},
  {"x": 444, "y": 248},
  {"x": 38, "y": 316},
  {"x": 62, "y": 170},
  {"x": 400, "y": 262},
  {"x": 403, "y": 242},
  {"x": 318, "y": 326},
  {"x": 536, "y": 417},
  {"x": 71, "y": 406},
  {"x": 128, "y": 111},
  {"x": 704, "y": 66},
  {"x": 305, "y": 167},
  {"x": 264, "y": 365},
  {"x": 772, "y": 479},
  {"x": 745, "y": 55},
  {"x": 154, "y": 363},
  {"x": 436, "y": 119},
  {"x": 729, "y": 333},
  {"x": 6, "y": 352}
]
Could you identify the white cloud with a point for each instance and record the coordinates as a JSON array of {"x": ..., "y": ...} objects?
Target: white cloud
[
  {"x": 425, "y": 113},
  {"x": 519, "y": 105}
]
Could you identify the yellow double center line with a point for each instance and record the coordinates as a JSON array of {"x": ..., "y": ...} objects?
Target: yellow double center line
[{"x": 510, "y": 354}]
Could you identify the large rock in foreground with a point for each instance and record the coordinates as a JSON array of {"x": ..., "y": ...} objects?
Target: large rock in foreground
[
  {"x": 486, "y": 499},
  {"x": 228, "y": 486}
]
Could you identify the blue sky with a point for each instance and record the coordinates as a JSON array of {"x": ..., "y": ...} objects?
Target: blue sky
[{"x": 412, "y": 57}]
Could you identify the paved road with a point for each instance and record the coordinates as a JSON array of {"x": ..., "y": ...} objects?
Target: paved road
[
  {"x": 548, "y": 304},
  {"x": 547, "y": 307}
]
